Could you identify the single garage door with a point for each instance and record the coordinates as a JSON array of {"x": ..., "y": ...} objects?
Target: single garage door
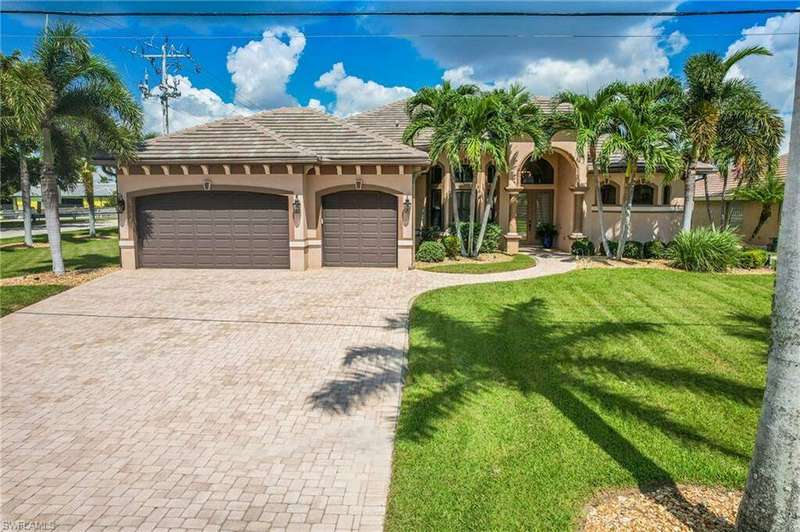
[
  {"x": 214, "y": 229},
  {"x": 359, "y": 229}
]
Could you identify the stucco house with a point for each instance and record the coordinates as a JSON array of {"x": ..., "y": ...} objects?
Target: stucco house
[
  {"x": 74, "y": 196},
  {"x": 743, "y": 215},
  {"x": 297, "y": 188}
]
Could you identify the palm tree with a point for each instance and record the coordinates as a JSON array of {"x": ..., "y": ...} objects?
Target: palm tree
[
  {"x": 429, "y": 109},
  {"x": 88, "y": 97},
  {"x": 706, "y": 94},
  {"x": 644, "y": 131},
  {"x": 589, "y": 118},
  {"x": 770, "y": 495},
  {"x": 767, "y": 192},
  {"x": 87, "y": 178},
  {"x": 25, "y": 96}
]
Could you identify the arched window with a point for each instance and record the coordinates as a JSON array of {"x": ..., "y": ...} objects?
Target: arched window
[
  {"x": 608, "y": 194},
  {"x": 463, "y": 174},
  {"x": 491, "y": 173},
  {"x": 667, "y": 199},
  {"x": 644, "y": 195},
  {"x": 435, "y": 211},
  {"x": 435, "y": 174},
  {"x": 538, "y": 172}
]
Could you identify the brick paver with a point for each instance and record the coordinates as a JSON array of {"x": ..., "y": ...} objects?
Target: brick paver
[{"x": 206, "y": 400}]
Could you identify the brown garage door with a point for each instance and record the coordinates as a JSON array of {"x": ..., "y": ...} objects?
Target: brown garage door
[
  {"x": 359, "y": 229},
  {"x": 215, "y": 229}
]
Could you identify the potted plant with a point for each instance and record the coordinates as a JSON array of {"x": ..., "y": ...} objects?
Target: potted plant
[{"x": 547, "y": 232}]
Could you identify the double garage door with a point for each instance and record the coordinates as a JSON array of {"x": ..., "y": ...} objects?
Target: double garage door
[{"x": 226, "y": 229}]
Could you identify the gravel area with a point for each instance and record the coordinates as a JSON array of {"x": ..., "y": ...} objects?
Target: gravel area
[{"x": 666, "y": 508}]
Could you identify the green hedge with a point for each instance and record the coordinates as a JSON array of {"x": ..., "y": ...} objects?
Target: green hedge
[
  {"x": 655, "y": 249},
  {"x": 430, "y": 252},
  {"x": 753, "y": 258},
  {"x": 705, "y": 250},
  {"x": 491, "y": 240},
  {"x": 451, "y": 246},
  {"x": 583, "y": 248}
]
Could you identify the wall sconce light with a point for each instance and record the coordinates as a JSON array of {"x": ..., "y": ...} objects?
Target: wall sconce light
[
  {"x": 407, "y": 203},
  {"x": 120, "y": 204},
  {"x": 296, "y": 205},
  {"x": 359, "y": 182}
]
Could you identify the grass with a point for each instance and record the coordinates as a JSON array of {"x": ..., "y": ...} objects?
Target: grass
[
  {"x": 518, "y": 262},
  {"x": 525, "y": 399},
  {"x": 13, "y": 298},
  {"x": 80, "y": 252}
]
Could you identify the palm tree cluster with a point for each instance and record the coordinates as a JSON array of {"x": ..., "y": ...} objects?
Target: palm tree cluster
[{"x": 64, "y": 103}]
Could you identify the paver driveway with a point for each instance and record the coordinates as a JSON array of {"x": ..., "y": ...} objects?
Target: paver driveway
[{"x": 209, "y": 399}]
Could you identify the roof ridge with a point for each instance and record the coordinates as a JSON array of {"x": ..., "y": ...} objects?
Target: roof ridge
[
  {"x": 369, "y": 133},
  {"x": 377, "y": 109},
  {"x": 231, "y": 118},
  {"x": 280, "y": 138}
]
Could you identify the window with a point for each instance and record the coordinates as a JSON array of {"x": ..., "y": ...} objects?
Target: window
[
  {"x": 608, "y": 194},
  {"x": 463, "y": 174},
  {"x": 435, "y": 174},
  {"x": 462, "y": 199},
  {"x": 643, "y": 195},
  {"x": 538, "y": 172},
  {"x": 491, "y": 173},
  {"x": 667, "y": 199},
  {"x": 72, "y": 202},
  {"x": 435, "y": 211},
  {"x": 735, "y": 215}
]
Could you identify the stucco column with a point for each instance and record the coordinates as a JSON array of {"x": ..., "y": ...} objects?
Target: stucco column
[
  {"x": 578, "y": 195},
  {"x": 512, "y": 237}
]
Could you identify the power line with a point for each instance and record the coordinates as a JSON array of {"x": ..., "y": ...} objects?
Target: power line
[
  {"x": 434, "y": 35},
  {"x": 719, "y": 12}
]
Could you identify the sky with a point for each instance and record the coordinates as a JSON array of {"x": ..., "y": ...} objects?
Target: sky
[{"x": 346, "y": 65}]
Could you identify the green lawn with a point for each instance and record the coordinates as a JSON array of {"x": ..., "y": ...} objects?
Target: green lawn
[
  {"x": 13, "y": 298},
  {"x": 518, "y": 262},
  {"x": 80, "y": 253},
  {"x": 524, "y": 399}
]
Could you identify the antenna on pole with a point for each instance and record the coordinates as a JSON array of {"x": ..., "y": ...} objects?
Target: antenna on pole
[{"x": 165, "y": 60}]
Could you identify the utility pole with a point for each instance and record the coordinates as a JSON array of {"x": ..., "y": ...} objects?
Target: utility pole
[{"x": 166, "y": 62}]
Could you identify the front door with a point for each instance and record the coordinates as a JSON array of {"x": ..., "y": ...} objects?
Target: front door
[{"x": 533, "y": 207}]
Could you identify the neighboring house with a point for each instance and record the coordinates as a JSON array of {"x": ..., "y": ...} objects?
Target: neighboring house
[
  {"x": 105, "y": 191},
  {"x": 743, "y": 215},
  {"x": 297, "y": 188}
]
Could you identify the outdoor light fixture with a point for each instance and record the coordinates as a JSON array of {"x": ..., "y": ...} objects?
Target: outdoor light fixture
[
  {"x": 359, "y": 182},
  {"x": 120, "y": 203},
  {"x": 296, "y": 205},
  {"x": 407, "y": 202}
]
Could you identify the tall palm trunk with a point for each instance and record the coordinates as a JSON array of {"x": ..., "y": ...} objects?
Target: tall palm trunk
[
  {"x": 708, "y": 199},
  {"x": 766, "y": 212},
  {"x": 471, "y": 229},
  {"x": 25, "y": 189},
  {"x": 487, "y": 212},
  {"x": 456, "y": 218},
  {"x": 625, "y": 215},
  {"x": 773, "y": 490},
  {"x": 723, "y": 211},
  {"x": 688, "y": 198},
  {"x": 50, "y": 200},
  {"x": 598, "y": 197},
  {"x": 88, "y": 187}
]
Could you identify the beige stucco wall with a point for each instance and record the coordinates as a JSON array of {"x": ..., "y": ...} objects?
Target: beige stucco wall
[
  {"x": 305, "y": 230},
  {"x": 750, "y": 213}
]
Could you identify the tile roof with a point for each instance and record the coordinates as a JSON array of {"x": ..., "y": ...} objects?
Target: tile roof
[
  {"x": 292, "y": 134},
  {"x": 715, "y": 181}
]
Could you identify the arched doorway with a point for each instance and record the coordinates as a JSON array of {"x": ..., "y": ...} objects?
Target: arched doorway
[{"x": 536, "y": 202}]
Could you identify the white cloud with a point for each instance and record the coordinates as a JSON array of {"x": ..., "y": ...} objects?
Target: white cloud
[
  {"x": 261, "y": 69},
  {"x": 315, "y": 104},
  {"x": 676, "y": 42},
  {"x": 774, "y": 75},
  {"x": 194, "y": 106},
  {"x": 354, "y": 95},
  {"x": 631, "y": 58}
]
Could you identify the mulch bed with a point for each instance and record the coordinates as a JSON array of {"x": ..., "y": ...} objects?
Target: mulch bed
[
  {"x": 70, "y": 278},
  {"x": 483, "y": 258},
  {"x": 665, "y": 508}
]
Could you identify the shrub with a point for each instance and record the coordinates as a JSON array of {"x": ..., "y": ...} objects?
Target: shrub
[
  {"x": 430, "y": 252},
  {"x": 583, "y": 248},
  {"x": 705, "y": 250},
  {"x": 612, "y": 247},
  {"x": 633, "y": 250},
  {"x": 753, "y": 258},
  {"x": 655, "y": 249},
  {"x": 451, "y": 247},
  {"x": 491, "y": 240},
  {"x": 429, "y": 234}
]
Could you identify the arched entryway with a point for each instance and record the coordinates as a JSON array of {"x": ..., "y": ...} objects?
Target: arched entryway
[{"x": 536, "y": 204}]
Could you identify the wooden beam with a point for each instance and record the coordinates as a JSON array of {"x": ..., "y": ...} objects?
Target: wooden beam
[
  {"x": 289, "y": 169},
  {"x": 204, "y": 167},
  {"x": 185, "y": 169},
  {"x": 338, "y": 169},
  {"x": 358, "y": 169},
  {"x": 378, "y": 169},
  {"x": 402, "y": 169},
  {"x": 316, "y": 169},
  {"x": 165, "y": 169},
  {"x": 266, "y": 168},
  {"x": 146, "y": 169},
  {"x": 227, "y": 169},
  {"x": 246, "y": 169}
]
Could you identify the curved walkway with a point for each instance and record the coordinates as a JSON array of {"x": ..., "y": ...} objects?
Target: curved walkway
[{"x": 194, "y": 399}]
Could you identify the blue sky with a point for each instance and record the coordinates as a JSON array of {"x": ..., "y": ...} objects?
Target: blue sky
[{"x": 347, "y": 65}]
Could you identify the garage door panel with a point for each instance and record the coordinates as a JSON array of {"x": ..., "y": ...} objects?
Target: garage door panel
[
  {"x": 217, "y": 229},
  {"x": 359, "y": 229}
]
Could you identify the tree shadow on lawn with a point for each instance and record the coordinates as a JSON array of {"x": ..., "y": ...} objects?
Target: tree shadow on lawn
[{"x": 524, "y": 347}]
